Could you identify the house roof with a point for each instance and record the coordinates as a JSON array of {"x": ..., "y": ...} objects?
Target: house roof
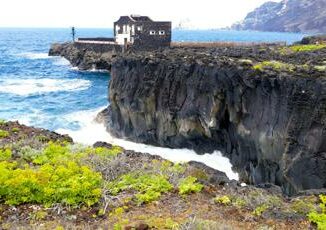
[
  {"x": 139, "y": 18},
  {"x": 134, "y": 18}
]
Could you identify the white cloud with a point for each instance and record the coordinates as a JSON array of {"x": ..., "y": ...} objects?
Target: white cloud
[{"x": 102, "y": 13}]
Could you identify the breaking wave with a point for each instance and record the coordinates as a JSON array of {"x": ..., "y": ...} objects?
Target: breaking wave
[
  {"x": 34, "y": 55},
  {"x": 25, "y": 87},
  {"x": 90, "y": 132},
  {"x": 60, "y": 61}
]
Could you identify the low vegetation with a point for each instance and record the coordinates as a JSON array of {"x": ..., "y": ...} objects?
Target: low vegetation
[
  {"x": 306, "y": 48},
  {"x": 225, "y": 200},
  {"x": 49, "y": 184},
  {"x": 319, "y": 218},
  {"x": 275, "y": 65},
  {"x": 46, "y": 183},
  {"x": 3, "y": 133},
  {"x": 55, "y": 174},
  {"x": 148, "y": 187},
  {"x": 301, "y": 48},
  {"x": 189, "y": 185}
]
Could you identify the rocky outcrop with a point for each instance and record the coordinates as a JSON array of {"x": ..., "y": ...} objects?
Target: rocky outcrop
[
  {"x": 319, "y": 39},
  {"x": 270, "y": 122},
  {"x": 287, "y": 16},
  {"x": 86, "y": 56}
]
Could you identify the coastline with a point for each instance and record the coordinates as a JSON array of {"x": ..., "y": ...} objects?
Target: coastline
[
  {"x": 178, "y": 206},
  {"x": 205, "y": 102}
]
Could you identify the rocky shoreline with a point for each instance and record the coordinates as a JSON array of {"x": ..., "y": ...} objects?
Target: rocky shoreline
[
  {"x": 262, "y": 106},
  {"x": 187, "y": 196}
]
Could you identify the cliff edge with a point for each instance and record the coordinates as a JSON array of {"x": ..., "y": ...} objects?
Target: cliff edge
[{"x": 264, "y": 107}]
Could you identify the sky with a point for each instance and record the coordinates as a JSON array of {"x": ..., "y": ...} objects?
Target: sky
[{"x": 200, "y": 14}]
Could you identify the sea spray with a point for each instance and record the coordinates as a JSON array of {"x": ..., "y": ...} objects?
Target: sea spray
[
  {"x": 25, "y": 87},
  {"x": 91, "y": 132},
  {"x": 34, "y": 55}
]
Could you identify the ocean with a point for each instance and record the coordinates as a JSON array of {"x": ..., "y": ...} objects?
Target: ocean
[{"x": 47, "y": 92}]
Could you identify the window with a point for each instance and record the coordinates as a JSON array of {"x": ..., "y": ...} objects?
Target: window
[
  {"x": 117, "y": 29},
  {"x": 139, "y": 28},
  {"x": 133, "y": 30},
  {"x": 161, "y": 32},
  {"x": 152, "y": 32}
]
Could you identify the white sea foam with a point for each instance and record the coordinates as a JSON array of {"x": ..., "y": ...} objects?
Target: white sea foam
[
  {"x": 91, "y": 132},
  {"x": 93, "y": 70},
  {"x": 61, "y": 61},
  {"x": 24, "y": 87},
  {"x": 34, "y": 55}
]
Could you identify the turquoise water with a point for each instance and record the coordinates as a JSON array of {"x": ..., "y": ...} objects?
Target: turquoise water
[{"x": 47, "y": 92}]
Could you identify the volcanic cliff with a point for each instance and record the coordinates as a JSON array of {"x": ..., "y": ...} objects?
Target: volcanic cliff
[{"x": 263, "y": 107}]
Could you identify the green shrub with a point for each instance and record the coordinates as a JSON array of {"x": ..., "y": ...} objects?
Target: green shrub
[
  {"x": 239, "y": 202},
  {"x": 304, "y": 206},
  {"x": 38, "y": 215},
  {"x": 168, "y": 167},
  {"x": 305, "y": 48},
  {"x": 105, "y": 152},
  {"x": 2, "y": 122},
  {"x": 319, "y": 218},
  {"x": 276, "y": 65},
  {"x": 149, "y": 187},
  {"x": 69, "y": 184},
  {"x": 52, "y": 153},
  {"x": 225, "y": 200},
  {"x": 320, "y": 67},
  {"x": 3, "y": 133},
  {"x": 29, "y": 154},
  {"x": 260, "y": 210},
  {"x": 15, "y": 130},
  {"x": 42, "y": 138},
  {"x": 5, "y": 154},
  {"x": 62, "y": 152},
  {"x": 189, "y": 185}
]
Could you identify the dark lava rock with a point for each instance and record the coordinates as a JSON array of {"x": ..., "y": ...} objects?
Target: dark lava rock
[
  {"x": 271, "y": 124},
  {"x": 34, "y": 135},
  {"x": 102, "y": 144},
  {"x": 318, "y": 39},
  {"x": 140, "y": 226},
  {"x": 214, "y": 177},
  {"x": 86, "y": 56}
]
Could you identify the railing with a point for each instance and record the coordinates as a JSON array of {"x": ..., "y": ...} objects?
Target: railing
[
  {"x": 96, "y": 40},
  {"x": 104, "y": 39}
]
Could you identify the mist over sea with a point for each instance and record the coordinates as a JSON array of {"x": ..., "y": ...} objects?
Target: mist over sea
[{"x": 47, "y": 92}]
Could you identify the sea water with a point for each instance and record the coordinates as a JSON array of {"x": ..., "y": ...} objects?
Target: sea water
[{"x": 47, "y": 92}]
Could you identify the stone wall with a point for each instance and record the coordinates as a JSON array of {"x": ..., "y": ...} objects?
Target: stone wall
[
  {"x": 98, "y": 48},
  {"x": 145, "y": 41}
]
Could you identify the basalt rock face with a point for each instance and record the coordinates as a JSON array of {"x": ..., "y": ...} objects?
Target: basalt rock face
[
  {"x": 86, "y": 56},
  {"x": 270, "y": 123}
]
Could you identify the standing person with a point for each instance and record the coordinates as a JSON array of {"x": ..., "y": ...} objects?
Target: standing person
[{"x": 73, "y": 33}]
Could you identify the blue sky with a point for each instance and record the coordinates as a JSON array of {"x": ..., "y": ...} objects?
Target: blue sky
[{"x": 101, "y": 13}]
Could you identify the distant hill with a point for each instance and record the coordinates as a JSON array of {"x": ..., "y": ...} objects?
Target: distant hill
[{"x": 287, "y": 16}]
